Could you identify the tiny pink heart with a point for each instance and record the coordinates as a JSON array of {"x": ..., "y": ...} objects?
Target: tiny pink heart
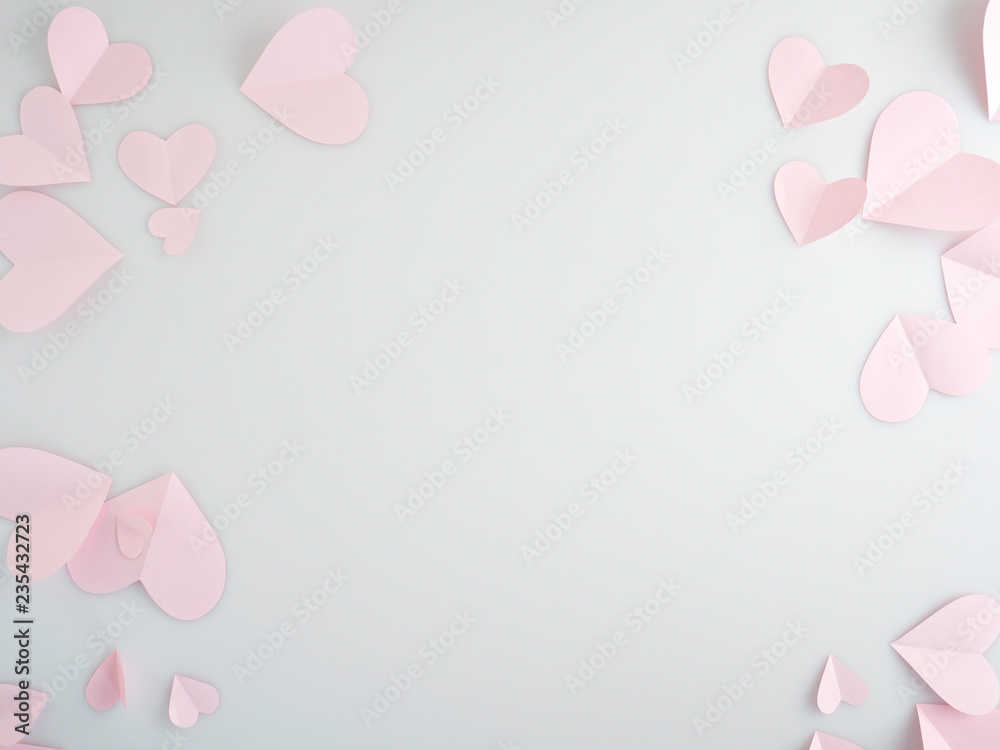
[
  {"x": 176, "y": 225},
  {"x": 133, "y": 532},
  {"x": 107, "y": 685},
  {"x": 189, "y": 698},
  {"x": 50, "y": 150},
  {"x": 839, "y": 684},
  {"x": 811, "y": 208},
  {"x": 806, "y": 90},
  {"x": 168, "y": 169}
]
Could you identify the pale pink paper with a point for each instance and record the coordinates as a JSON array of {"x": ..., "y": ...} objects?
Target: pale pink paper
[
  {"x": 300, "y": 79},
  {"x": 944, "y": 728},
  {"x": 839, "y": 683},
  {"x": 806, "y": 90},
  {"x": 133, "y": 533},
  {"x": 8, "y": 706},
  {"x": 972, "y": 281},
  {"x": 57, "y": 256},
  {"x": 62, "y": 498},
  {"x": 915, "y": 355},
  {"x": 181, "y": 565},
  {"x": 168, "y": 169},
  {"x": 947, "y": 652},
  {"x": 50, "y": 149},
  {"x": 991, "y": 56},
  {"x": 176, "y": 225},
  {"x": 811, "y": 208},
  {"x": 188, "y": 699},
  {"x": 107, "y": 685},
  {"x": 919, "y": 177},
  {"x": 89, "y": 69},
  {"x": 822, "y": 741}
]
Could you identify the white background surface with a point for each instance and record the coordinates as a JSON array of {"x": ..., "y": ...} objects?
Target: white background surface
[{"x": 495, "y": 347}]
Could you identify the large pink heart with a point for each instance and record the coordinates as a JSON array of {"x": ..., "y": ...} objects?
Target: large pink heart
[
  {"x": 972, "y": 280},
  {"x": 180, "y": 563},
  {"x": 944, "y": 728},
  {"x": 811, "y": 208},
  {"x": 806, "y": 90},
  {"x": 168, "y": 169},
  {"x": 51, "y": 150},
  {"x": 299, "y": 79},
  {"x": 56, "y": 257},
  {"x": 915, "y": 355},
  {"x": 89, "y": 69},
  {"x": 919, "y": 177}
]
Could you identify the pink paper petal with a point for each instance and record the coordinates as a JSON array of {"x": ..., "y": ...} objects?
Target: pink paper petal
[
  {"x": 50, "y": 150},
  {"x": 972, "y": 280},
  {"x": 188, "y": 699},
  {"x": 839, "y": 683},
  {"x": 944, "y": 728},
  {"x": 822, "y": 741},
  {"x": 299, "y": 79},
  {"x": 10, "y": 704},
  {"x": 946, "y": 650},
  {"x": 88, "y": 69},
  {"x": 107, "y": 685},
  {"x": 806, "y": 90},
  {"x": 57, "y": 256},
  {"x": 133, "y": 531},
  {"x": 811, "y": 208},
  {"x": 915, "y": 355},
  {"x": 176, "y": 225},
  {"x": 168, "y": 169},
  {"x": 917, "y": 175}
]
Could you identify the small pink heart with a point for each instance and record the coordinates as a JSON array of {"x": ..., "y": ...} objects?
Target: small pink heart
[
  {"x": 107, "y": 685},
  {"x": 56, "y": 257},
  {"x": 133, "y": 532},
  {"x": 839, "y": 683},
  {"x": 822, "y": 741},
  {"x": 188, "y": 699},
  {"x": 972, "y": 280},
  {"x": 89, "y": 69},
  {"x": 168, "y": 169},
  {"x": 806, "y": 90},
  {"x": 51, "y": 150},
  {"x": 811, "y": 208},
  {"x": 299, "y": 79},
  {"x": 176, "y": 225}
]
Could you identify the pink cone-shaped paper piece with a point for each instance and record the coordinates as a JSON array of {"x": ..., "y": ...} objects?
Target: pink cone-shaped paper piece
[
  {"x": 822, "y": 741},
  {"x": 107, "y": 685}
]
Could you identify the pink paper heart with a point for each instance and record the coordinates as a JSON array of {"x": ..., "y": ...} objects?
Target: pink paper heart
[
  {"x": 299, "y": 79},
  {"x": 62, "y": 498},
  {"x": 991, "y": 57},
  {"x": 89, "y": 69},
  {"x": 946, "y": 650},
  {"x": 944, "y": 728},
  {"x": 107, "y": 685},
  {"x": 9, "y": 705},
  {"x": 56, "y": 257},
  {"x": 915, "y": 355},
  {"x": 839, "y": 684},
  {"x": 806, "y": 89},
  {"x": 919, "y": 177},
  {"x": 822, "y": 741},
  {"x": 811, "y": 208},
  {"x": 972, "y": 280},
  {"x": 168, "y": 169},
  {"x": 50, "y": 150},
  {"x": 181, "y": 565},
  {"x": 188, "y": 699},
  {"x": 133, "y": 532},
  {"x": 176, "y": 225}
]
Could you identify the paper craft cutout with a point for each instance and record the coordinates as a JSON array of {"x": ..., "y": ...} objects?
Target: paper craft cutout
[
  {"x": 822, "y": 741},
  {"x": 991, "y": 56},
  {"x": 839, "y": 683},
  {"x": 181, "y": 564},
  {"x": 176, "y": 225},
  {"x": 57, "y": 256},
  {"x": 811, "y": 208},
  {"x": 188, "y": 699},
  {"x": 972, "y": 280},
  {"x": 946, "y": 650},
  {"x": 133, "y": 533},
  {"x": 89, "y": 69},
  {"x": 915, "y": 355},
  {"x": 9, "y": 705},
  {"x": 299, "y": 79},
  {"x": 107, "y": 686},
  {"x": 919, "y": 177},
  {"x": 806, "y": 90},
  {"x": 168, "y": 169},
  {"x": 944, "y": 728},
  {"x": 62, "y": 497},
  {"x": 50, "y": 149}
]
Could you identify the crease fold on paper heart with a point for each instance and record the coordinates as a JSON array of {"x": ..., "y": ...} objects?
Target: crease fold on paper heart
[
  {"x": 915, "y": 355},
  {"x": 821, "y": 741},
  {"x": 50, "y": 149},
  {"x": 168, "y": 169},
  {"x": 107, "y": 685},
  {"x": 9, "y": 706},
  {"x": 839, "y": 683},
  {"x": 806, "y": 89},
  {"x": 944, "y": 728},
  {"x": 947, "y": 648},
  {"x": 176, "y": 225},
  {"x": 971, "y": 273},
  {"x": 188, "y": 699},
  {"x": 811, "y": 208}
]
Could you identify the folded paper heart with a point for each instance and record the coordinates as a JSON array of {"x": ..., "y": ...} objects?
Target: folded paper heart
[
  {"x": 57, "y": 256},
  {"x": 915, "y": 355},
  {"x": 300, "y": 79},
  {"x": 180, "y": 562},
  {"x": 9, "y": 705},
  {"x": 972, "y": 281},
  {"x": 839, "y": 684},
  {"x": 806, "y": 89},
  {"x": 50, "y": 149},
  {"x": 991, "y": 57},
  {"x": 822, "y": 741},
  {"x": 944, "y": 728},
  {"x": 107, "y": 685},
  {"x": 89, "y": 69},
  {"x": 946, "y": 650},
  {"x": 62, "y": 499},
  {"x": 176, "y": 225},
  {"x": 919, "y": 177},
  {"x": 811, "y": 208},
  {"x": 188, "y": 699},
  {"x": 168, "y": 169}
]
